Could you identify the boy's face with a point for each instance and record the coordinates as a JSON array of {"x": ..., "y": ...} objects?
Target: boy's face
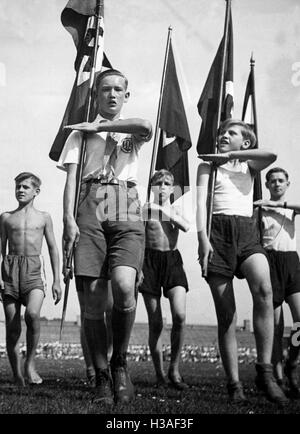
[
  {"x": 111, "y": 96},
  {"x": 26, "y": 191},
  {"x": 162, "y": 189},
  {"x": 277, "y": 185},
  {"x": 231, "y": 139}
]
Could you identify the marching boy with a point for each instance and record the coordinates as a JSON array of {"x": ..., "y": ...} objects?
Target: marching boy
[
  {"x": 234, "y": 250},
  {"x": 279, "y": 240},
  {"x": 23, "y": 276},
  {"x": 163, "y": 269}
]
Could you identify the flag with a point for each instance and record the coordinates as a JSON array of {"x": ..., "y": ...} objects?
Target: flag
[
  {"x": 249, "y": 116},
  {"x": 209, "y": 99},
  {"x": 174, "y": 140},
  {"x": 78, "y": 17}
]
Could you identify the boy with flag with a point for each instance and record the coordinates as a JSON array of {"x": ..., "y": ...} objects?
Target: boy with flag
[
  {"x": 109, "y": 232},
  {"x": 233, "y": 249}
]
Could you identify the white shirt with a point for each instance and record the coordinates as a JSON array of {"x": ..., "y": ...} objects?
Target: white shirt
[
  {"x": 125, "y": 166},
  {"x": 233, "y": 193},
  {"x": 279, "y": 229}
]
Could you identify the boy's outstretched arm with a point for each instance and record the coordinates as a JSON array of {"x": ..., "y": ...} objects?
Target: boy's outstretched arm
[
  {"x": 137, "y": 126},
  {"x": 171, "y": 214},
  {"x": 278, "y": 204},
  {"x": 205, "y": 249},
  {"x": 257, "y": 159},
  {"x": 54, "y": 257}
]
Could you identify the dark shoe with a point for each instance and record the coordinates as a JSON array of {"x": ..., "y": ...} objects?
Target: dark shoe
[
  {"x": 292, "y": 376},
  {"x": 161, "y": 382},
  {"x": 103, "y": 387},
  {"x": 236, "y": 392},
  {"x": 266, "y": 382},
  {"x": 123, "y": 387},
  {"x": 177, "y": 382}
]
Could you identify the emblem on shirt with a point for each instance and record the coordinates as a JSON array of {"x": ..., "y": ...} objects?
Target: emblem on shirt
[{"x": 127, "y": 145}]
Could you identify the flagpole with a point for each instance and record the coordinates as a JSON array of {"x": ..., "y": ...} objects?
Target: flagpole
[
  {"x": 213, "y": 174},
  {"x": 257, "y": 180},
  {"x": 98, "y": 9},
  {"x": 156, "y": 133}
]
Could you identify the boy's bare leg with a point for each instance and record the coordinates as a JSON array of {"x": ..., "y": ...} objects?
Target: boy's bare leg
[
  {"x": 34, "y": 301},
  {"x": 277, "y": 353},
  {"x": 256, "y": 270},
  {"x": 177, "y": 298},
  {"x": 155, "y": 323},
  {"x": 12, "y": 309},
  {"x": 222, "y": 292}
]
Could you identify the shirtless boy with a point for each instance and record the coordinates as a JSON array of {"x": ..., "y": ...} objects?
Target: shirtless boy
[
  {"x": 163, "y": 268},
  {"x": 23, "y": 230}
]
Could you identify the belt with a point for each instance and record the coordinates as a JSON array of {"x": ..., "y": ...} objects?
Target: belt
[{"x": 112, "y": 181}]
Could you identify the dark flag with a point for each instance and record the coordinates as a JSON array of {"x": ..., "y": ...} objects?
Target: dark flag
[
  {"x": 78, "y": 17},
  {"x": 209, "y": 99},
  {"x": 250, "y": 117},
  {"x": 174, "y": 140}
]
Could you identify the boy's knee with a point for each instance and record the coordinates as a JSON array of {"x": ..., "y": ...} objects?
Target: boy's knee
[
  {"x": 179, "y": 319},
  {"x": 31, "y": 316},
  {"x": 263, "y": 294},
  {"x": 156, "y": 326}
]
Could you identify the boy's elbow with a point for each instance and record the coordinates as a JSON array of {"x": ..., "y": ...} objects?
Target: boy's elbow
[
  {"x": 273, "y": 157},
  {"x": 146, "y": 127}
]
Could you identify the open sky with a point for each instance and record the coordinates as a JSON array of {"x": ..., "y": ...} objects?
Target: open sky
[{"x": 36, "y": 77}]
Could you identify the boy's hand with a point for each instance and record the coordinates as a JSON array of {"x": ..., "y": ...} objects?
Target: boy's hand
[
  {"x": 71, "y": 236},
  {"x": 266, "y": 202},
  {"x": 56, "y": 292},
  {"x": 218, "y": 159},
  {"x": 205, "y": 253},
  {"x": 151, "y": 210},
  {"x": 67, "y": 272},
  {"x": 87, "y": 127}
]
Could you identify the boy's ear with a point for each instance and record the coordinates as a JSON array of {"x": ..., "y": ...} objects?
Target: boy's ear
[
  {"x": 127, "y": 95},
  {"x": 246, "y": 144},
  {"x": 37, "y": 190}
]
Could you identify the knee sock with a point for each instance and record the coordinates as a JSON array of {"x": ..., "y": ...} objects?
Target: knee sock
[
  {"x": 95, "y": 333},
  {"x": 122, "y": 322}
]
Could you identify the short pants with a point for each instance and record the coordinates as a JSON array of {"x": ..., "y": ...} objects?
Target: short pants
[
  {"x": 162, "y": 269},
  {"x": 285, "y": 275},
  {"x": 22, "y": 274},
  {"x": 111, "y": 230},
  {"x": 233, "y": 239}
]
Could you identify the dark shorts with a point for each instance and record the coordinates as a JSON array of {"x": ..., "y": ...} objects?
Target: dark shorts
[
  {"x": 22, "y": 274},
  {"x": 285, "y": 275},
  {"x": 162, "y": 270},
  {"x": 111, "y": 230},
  {"x": 234, "y": 239}
]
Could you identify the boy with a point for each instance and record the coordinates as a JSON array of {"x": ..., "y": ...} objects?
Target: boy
[
  {"x": 163, "y": 268},
  {"x": 233, "y": 250},
  {"x": 279, "y": 240},
  {"x": 111, "y": 242},
  {"x": 23, "y": 274}
]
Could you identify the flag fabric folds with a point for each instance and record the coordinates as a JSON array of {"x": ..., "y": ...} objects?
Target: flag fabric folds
[
  {"x": 249, "y": 116},
  {"x": 209, "y": 99},
  {"x": 174, "y": 139},
  {"x": 79, "y": 19}
]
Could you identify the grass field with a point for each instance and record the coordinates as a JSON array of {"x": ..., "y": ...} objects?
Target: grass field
[{"x": 64, "y": 391}]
